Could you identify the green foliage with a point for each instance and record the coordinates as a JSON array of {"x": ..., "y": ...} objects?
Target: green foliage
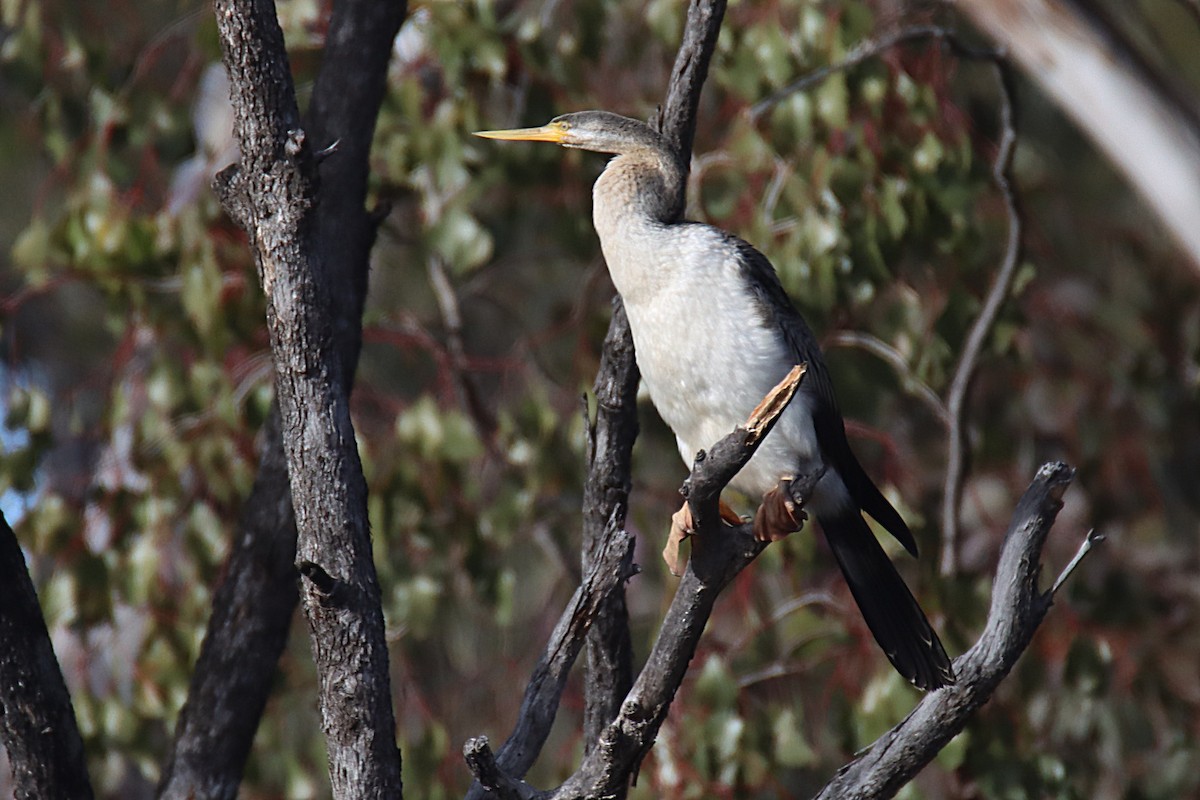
[{"x": 138, "y": 375}]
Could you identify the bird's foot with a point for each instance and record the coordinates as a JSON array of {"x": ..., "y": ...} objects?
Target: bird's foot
[
  {"x": 780, "y": 515},
  {"x": 682, "y": 526}
]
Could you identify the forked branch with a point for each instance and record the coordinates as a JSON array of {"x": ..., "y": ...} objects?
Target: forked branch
[
  {"x": 1018, "y": 607},
  {"x": 719, "y": 553}
]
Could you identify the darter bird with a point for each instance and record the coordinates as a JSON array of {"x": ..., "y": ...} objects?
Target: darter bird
[{"x": 713, "y": 332}]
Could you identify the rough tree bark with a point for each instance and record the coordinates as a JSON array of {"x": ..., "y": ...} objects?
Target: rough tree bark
[
  {"x": 609, "y": 673},
  {"x": 1017, "y": 609},
  {"x": 272, "y": 195},
  {"x": 609, "y": 669},
  {"x": 253, "y": 607},
  {"x": 37, "y": 721}
]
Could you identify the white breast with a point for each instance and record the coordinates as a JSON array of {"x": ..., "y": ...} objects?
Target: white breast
[{"x": 704, "y": 354}]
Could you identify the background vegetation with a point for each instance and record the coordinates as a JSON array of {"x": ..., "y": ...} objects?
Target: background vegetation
[{"x": 136, "y": 373}]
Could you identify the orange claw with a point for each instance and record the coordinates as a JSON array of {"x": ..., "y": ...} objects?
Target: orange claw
[
  {"x": 778, "y": 517},
  {"x": 683, "y": 526}
]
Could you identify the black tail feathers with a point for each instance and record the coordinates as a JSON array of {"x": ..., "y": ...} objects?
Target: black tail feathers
[{"x": 891, "y": 612}]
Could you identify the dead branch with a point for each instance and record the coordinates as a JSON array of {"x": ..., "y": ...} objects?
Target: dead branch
[
  {"x": 1017, "y": 609},
  {"x": 956, "y": 401},
  {"x": 718, "y": 554}
]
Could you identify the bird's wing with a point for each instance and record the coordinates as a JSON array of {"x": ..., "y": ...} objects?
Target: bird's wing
[{"x": 778, "y": 312}]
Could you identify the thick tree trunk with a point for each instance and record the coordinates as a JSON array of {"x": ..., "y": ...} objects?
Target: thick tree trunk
[
  {"x": 37, "y": 722},
  {"x": 272, "y": 194},
  {"x": 252, "y": 609}
]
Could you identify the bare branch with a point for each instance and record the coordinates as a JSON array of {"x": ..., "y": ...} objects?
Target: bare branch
[
  {"x": 610, "y": 439},
  {"x": 718, "y": 555},
  {"x": 610, "y": 567},
  {"x": 252, "y": 611},
  {"x": 677, "y": 118},
  {"x": 1017, "y": 609},
  {"x": 1090, "y": 541},
  {"x": 865, "y": 51},
  {"x": 492, "y": 778},
  {"x": 981, "y": 329},
  {"x": 37, "y": 722},
  {"x": 896, "y": 360},
  {"x": 609, "y": 663},
  {"x": 954, "y": 410},
  {"x": 464, "y": 383}
]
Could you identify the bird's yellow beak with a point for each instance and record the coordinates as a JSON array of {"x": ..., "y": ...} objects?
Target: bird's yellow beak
[{"x": 554, "y": 132}]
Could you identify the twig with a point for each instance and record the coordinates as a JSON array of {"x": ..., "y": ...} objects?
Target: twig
[
  {"x": 1091, "y": 540},
  {"x": 864, "y": 51},
  {"x": 896, "y": 360},
  {"x": 957, "y": 455},
  {"x": 953, "y": 412},
  {"x": 468, "y": 390},
  {"x": 1017, "y": 610}
]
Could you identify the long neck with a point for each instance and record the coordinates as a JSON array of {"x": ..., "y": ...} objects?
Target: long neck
[
  {"x": 643, "y": 186},
  {"x": 634, "y": 203}
]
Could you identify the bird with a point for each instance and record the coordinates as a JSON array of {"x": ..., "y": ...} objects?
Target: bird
[{"x": 713, "y": 331}]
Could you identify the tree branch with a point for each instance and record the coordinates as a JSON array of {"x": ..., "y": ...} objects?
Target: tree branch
[
  {"x": 719, "y": 553},
  {"x": 273, "y": 194},
  {"x": 1017, "y": 609},
  {"x": 958, "y": 447},
  {"x": 610, "y": 567},
  {"x": 609, "y": 672},
  {"x": 610, "y": 438},
  {"x": 954, "y": 411},
  {"x": 865, "y": 51},
  {"x": 252, "y": 608},
  {"x": 252, "y": 611},
  {"x": 677, "y": 117},
  {"x": 37, "y": 721}
]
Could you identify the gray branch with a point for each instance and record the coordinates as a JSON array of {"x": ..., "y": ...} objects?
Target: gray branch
[
  {"x": 253, "y": 606},
  {"x": 610, "y": 438},
  {"x": 954, "y": 412},
  {"x": 1017, "y": 609},
  {"x": 610, "y": 567},
  {"x": 958, "y": 451}
]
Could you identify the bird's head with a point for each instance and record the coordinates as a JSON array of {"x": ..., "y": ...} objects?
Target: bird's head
[{"x": 599, "y": 131}]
